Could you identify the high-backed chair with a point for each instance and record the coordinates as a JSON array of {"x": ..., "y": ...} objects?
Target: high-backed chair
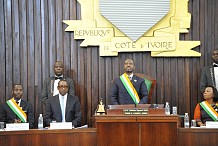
[{"x": 150, "y": 83}]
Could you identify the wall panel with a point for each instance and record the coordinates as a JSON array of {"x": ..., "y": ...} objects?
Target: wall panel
[
  {"x": 3, "y": 53},
  {"x": 32, "y": 38}
]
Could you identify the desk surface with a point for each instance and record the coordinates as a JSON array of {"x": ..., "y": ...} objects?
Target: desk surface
[
  {"x": 48, "y": 131},
  {"x": 198, "y": 130}
]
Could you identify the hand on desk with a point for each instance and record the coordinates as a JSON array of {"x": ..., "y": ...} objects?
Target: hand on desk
[
  {"x": 17, "y": 121},
  {"x": 201, "y": 124}
]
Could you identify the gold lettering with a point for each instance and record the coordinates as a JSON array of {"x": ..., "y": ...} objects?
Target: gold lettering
[
  {"x": 106, "y": 47},
  {"x": 92, "y": 33},
  {"x": 159, "y": 45},
  {"x": 124, "y": 45}
]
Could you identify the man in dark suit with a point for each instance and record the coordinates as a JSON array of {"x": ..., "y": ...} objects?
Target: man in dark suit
[
  {"x": 128, "y": 88},
  {"x": 63, "y": 107},
  {"x": 209, "y": 74},
  {"x": 50, "y": 84},
  {"x": 16, "y": 110}
]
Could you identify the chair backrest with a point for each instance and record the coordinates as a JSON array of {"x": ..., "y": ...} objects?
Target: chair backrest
[{"x": 150, "y": 83}]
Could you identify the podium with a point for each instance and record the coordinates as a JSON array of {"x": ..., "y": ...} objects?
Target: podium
[{"x": 151, "y": 129}]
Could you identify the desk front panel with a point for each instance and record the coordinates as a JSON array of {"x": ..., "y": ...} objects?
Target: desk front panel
[
  {"x": 138, "y": 131},
  {"x": 117, "y": 134},
  {"x": 159, "y": 134},
  {"x": 35, "y": 137},
  {"x": 197, "y": 137}
]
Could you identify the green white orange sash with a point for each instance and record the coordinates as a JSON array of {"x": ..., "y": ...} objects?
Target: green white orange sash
[
  {"x": 130, "y": 88},
  {"x": 209, "y": 109},
  {"x": 17, "y": 110}
]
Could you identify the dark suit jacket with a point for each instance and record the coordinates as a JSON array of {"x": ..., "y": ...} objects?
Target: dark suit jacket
[
  {"x": 207, "y": 77},
  {"x": 8, "y": 116},
  {"x": 119, "y": 94},
  {"x": 48, "y": 88},
  {"x": 72, "y": 112}
]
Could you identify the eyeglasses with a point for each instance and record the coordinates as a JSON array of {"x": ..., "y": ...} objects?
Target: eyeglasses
[{"x": 63, "y": 86}]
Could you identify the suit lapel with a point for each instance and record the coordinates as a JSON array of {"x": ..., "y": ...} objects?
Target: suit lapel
[
  {"x": 22, "y": 105},
  {"x": 212, "y": 75},
  {"x": 134, "y": 79},
  {"x": 57, "y": 102},
  {"x": 68, "y": 105},
  {"x": 52, "y": 85}
]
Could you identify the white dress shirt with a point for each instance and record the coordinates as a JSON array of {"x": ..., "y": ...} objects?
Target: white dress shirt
[
  {"x": 56, "y": 91},
  {"x": 130, "y": 76},
  {"x": 216, "y": 76}
]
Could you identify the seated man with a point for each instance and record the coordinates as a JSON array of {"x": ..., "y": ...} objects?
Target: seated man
[
  {"x": 17, "y": 110},
  {"x": 63, "y": 107},
  {"x": 50, "y": 84},
  {"x": 128, "y": 88}
]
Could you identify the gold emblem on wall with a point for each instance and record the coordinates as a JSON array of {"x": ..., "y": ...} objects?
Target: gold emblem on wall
[{"x": 113, "y": 33}]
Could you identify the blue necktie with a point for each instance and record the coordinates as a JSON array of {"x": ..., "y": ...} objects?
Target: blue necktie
[{"x": 62, "y": 109}]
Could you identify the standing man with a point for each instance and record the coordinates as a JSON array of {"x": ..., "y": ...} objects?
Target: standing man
[
  {"x": 63, "y": 107},
  {"x": 209, "y": 74},
  {"x": 128, "y": 88},
  {"x": 16, "y": 110},
  {"x": 50, "y": 84}
]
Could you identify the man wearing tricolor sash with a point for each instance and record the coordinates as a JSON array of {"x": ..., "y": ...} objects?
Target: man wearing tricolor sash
[
  {"x": 207, "y": 110},
  {"x": 128, "y": 88},
  {"x": 16, "y": 110}
]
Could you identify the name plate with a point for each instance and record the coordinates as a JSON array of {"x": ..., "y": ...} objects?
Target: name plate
[
  {"x": 211, "y": 124},
  {"x": 60, "y": 125},
  {"x": 135, "y": 111},
  {"x": 17, "y": 126}
]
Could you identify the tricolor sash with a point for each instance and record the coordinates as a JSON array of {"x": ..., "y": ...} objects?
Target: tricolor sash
[
  {"x": 17, "y": 110},
  {"x": 209, "y": 109},
  {"x": 130, "y": 88}
]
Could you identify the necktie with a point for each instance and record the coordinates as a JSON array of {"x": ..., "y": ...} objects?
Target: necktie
[
  {"x": 130, "y": 78},
  {"x": 62, "y": 109},
  {"x": 17, "y": 103}
]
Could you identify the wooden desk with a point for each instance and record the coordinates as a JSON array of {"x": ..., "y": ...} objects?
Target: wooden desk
[
  {"x": 35, "y": 137},
  {"x": 149, "y": 130},
  {"x": 116, "y": 131},
  {"x": 197, "y": 137}
]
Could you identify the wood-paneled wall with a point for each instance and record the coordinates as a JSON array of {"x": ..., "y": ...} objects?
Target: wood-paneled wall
[{"x": 32, "y": 38}]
